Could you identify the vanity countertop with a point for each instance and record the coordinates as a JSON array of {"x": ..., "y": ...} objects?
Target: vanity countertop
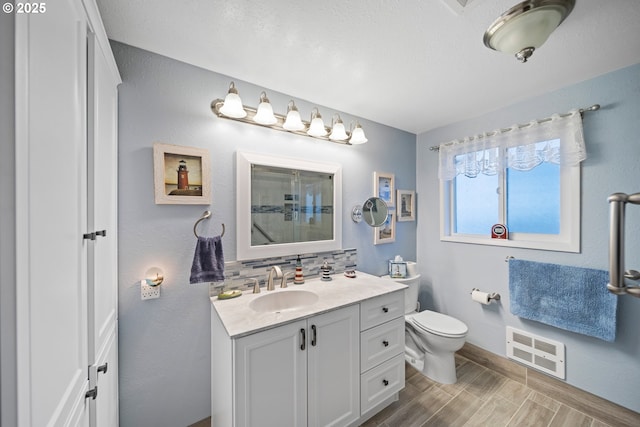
[{"x": 239, "y": 319}]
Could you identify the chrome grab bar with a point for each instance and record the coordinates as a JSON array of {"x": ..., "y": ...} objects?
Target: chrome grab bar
[{"x": 617, "y": 275}]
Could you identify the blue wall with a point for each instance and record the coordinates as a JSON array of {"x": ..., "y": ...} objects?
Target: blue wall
[
  {"x": 451, "y": 270},
  {"x": 165, "y": 343}
]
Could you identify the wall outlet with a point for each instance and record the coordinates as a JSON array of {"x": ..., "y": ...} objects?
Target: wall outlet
[{"x": 147, "y": 291}]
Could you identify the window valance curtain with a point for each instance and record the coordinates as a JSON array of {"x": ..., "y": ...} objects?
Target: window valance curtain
[{"x": 558, "y": 139}]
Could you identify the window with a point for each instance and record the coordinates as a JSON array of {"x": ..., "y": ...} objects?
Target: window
[{"x": 526, "y": 178}]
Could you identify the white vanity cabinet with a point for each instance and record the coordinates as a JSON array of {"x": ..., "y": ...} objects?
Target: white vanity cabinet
[
  {"x": 334, "y": 362},
  {"x": 382, "y": 351},
  {"x": 304, "y": 373}
]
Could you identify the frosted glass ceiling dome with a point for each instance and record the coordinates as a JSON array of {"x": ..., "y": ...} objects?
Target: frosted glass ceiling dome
[{"x": 526, "y": 26}]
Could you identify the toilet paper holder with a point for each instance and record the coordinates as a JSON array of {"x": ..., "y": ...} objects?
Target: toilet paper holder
[{"x": 492, "y": 296}]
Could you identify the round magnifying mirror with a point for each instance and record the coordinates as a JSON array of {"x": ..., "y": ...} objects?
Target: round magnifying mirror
[{"x": 375, "y": 211}]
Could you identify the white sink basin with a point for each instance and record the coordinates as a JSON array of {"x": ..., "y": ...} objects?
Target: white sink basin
[{"x": 283, "y": 300}]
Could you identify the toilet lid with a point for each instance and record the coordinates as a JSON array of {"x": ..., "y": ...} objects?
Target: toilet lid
[{"x": 440, "y": 324}]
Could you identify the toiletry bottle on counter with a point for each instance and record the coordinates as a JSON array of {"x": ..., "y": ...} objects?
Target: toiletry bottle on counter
[
  {"x": 326, "y": 271},
  {"x": 299, "y": 277}
]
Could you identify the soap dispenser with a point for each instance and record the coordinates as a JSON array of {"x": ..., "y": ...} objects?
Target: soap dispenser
[
  {"x": 326, "y": 270},
  {"x": 299, "y": 277}
]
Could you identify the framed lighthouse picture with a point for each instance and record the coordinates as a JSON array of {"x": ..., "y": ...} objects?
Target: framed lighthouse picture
[{"x": 182, "y": 175}]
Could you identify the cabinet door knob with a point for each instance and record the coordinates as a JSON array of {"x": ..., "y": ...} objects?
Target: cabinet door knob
[
  {"x": 314, "y": 335},
  {"x": 385, "y": 382},
  {"x": 89, "y": 236},
  {"x": 303, "y": 339},
  {"x": 102, "y": 233},
  {"x": 103, "y": 368},
  {"x": 385, "y": 309},
  {"x": 93, "y": 393},
  {"x": 385, "y": 343}
]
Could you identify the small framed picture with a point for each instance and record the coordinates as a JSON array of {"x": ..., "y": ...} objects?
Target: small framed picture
[
  {"x": 386, "y": 233},
  {"x": 397, "y": 270},
  {"x": 182, "y": 175},
  {"x": 383, "y": 187},
  {"x": 406, "y": 205}
]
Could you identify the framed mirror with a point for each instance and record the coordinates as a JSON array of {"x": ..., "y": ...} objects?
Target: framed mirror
[{"x": 287, "y": 206}]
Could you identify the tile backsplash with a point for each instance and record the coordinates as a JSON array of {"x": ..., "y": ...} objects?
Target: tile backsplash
[{"x": 236, "y": 273}]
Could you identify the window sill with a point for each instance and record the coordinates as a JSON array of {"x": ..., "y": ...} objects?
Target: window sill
[{"x": 515, "y": 242}]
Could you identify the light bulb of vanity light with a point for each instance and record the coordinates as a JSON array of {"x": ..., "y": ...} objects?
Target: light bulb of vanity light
[
  {"x": 338, "y": 132},
  {"x": 264, "y": 115},
  {"x": 357, "y": 136},
  {"x": 316, "y": 128},
  {"x": 232, "y": 106},
  {"x": 293, "y": 120}
]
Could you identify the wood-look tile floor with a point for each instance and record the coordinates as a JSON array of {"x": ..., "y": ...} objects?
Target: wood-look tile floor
[{"x": 481, "y": 397}]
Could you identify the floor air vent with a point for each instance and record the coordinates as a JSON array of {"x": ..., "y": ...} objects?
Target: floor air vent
[{"x": 540, "y": 353}]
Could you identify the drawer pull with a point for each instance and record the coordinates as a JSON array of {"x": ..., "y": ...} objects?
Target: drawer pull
[
  {"x": 385, "y": 343},
  {"x": 385, "y": 382},
  {"x": 314, "y": 335},
  {"x": 385, "y": 309}
]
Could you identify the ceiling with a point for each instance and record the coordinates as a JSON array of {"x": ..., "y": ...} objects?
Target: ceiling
[{"x": 410, "y": 64}]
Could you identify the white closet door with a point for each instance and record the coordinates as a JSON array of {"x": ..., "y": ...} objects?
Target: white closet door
[
  {"x": 102, "y": 206},
  {"x": 51, "y": 213}
]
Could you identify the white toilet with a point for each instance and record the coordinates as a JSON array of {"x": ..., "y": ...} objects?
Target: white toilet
[{"x": 431, "y": 338}]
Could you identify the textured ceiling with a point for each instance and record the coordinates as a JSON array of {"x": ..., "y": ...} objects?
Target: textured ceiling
[{"x": 411, "y": 64}]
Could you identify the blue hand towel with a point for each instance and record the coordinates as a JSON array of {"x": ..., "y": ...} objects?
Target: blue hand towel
[
  {"x": 208, "y": 261},
  {"x": 572, "y": 298}
]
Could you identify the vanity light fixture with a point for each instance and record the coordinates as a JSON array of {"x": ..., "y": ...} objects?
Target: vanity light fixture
[
  {"x": 526, "y": 26},
  {"x": 232, "y": 108},
  {"x": 293, "y": 120},
  {"x": 357, "y": 135},
  {"x": 232, "y": 105},
  {"x": 316, "y": 128},
  {"x": 338, "y": 132},
  {"x": 264, "y": 115}
]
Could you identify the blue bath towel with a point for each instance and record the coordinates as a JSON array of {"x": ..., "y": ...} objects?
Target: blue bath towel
[
  {"x": 572, "y": 298},
  {"x": 208, "y": 261}
]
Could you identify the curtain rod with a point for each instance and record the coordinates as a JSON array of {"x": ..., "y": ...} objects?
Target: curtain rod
[{"x": 594, "y": 107}]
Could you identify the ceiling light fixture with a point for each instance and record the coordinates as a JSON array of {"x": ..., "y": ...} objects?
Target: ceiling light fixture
[
  {"x": 232, "y": 108},
  {"x": 526, "y": 26}
]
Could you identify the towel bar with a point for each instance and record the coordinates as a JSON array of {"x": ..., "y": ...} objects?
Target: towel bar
[{"x": 617, "y": 275}]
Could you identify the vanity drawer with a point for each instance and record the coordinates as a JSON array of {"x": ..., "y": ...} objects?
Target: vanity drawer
[
  {"x": 378, "y": 310},
  {"x": 381, "y": 343},
  {"x": 381, "y": 383}
]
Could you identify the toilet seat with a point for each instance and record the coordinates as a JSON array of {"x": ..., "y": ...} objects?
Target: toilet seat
[{"x": 438, "y": 324}]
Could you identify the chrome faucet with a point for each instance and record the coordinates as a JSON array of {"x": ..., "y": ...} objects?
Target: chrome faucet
[
  {"x": 278, "y": 274},
  {"x": 283, "y": 284}
]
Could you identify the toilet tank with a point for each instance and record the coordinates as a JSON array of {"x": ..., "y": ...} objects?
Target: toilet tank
[{"x": 411, "y": 293}]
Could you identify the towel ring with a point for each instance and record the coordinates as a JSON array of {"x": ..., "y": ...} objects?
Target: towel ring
[{"x": 204, "y": 216}]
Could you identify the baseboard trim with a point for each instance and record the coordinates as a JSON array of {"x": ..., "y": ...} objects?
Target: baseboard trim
[{"x": 583, "y": 401}]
